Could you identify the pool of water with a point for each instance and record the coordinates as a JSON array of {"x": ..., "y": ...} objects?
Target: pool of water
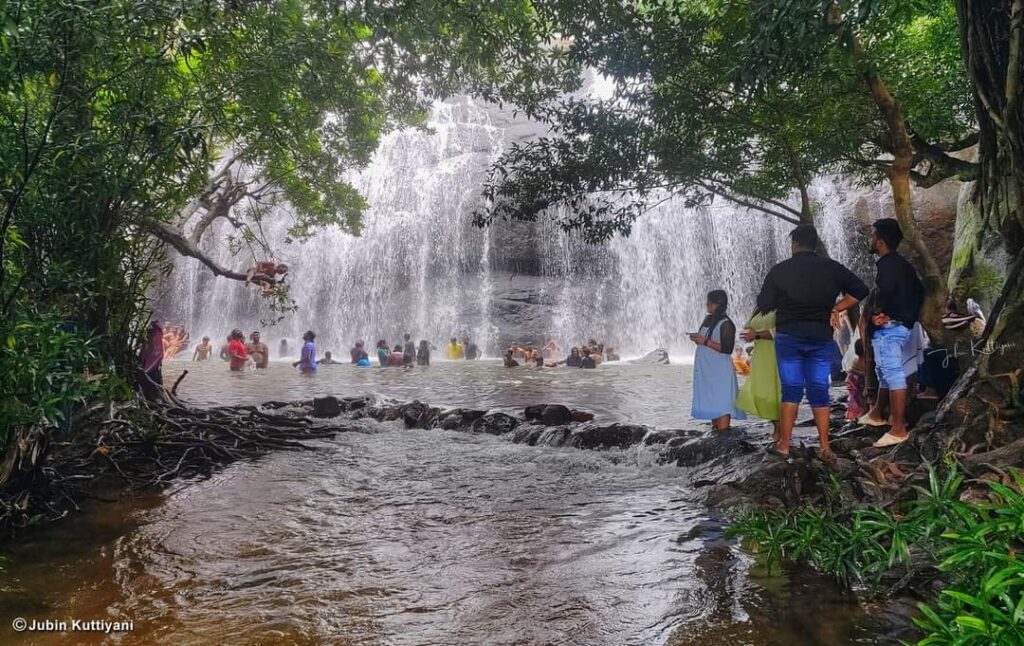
[{"x": 391, "y": 536}]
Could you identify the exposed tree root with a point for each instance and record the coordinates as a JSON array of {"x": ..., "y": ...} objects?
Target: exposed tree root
[{"x": 138, "y": 446}]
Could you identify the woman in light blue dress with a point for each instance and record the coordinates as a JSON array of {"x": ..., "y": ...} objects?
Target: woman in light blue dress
[{"x": 714, "y": 378}]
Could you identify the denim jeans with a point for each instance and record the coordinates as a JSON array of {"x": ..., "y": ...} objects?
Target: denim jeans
[
  {"x": 888, "y": 345},
  {"x": 804, "y": 364}
]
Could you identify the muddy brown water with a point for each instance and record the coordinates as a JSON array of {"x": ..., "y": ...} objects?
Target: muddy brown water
[{"x": 390, "y": 536}]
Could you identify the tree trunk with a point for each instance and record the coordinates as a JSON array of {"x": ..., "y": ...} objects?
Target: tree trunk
[
  {"x": 986, "y": 403},
  {"x": 935, "y": 291},
  {"x": 899, "y": 176}
]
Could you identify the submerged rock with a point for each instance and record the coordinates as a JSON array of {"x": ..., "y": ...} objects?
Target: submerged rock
[
  {"x": 690, "y": 450},
  {"x": 327, "y": 407},
  {"x": 458, "y": 419},
  {"x": 663, "y": 436},
  {"x": 550, "y": 414},
  {"x": 582, "y": 416},
  {"x": 419, "y": 415},
  {"x": 495, "y": 424},
  {"x": 656, "y": 357},
  {"x": 617, "y": 436},
  {"x": 355, "y": 403},
  {"x": 527, "y": 434}
]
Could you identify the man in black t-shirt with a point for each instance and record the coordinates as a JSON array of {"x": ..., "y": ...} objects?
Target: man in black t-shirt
[
  {"x": 897, "y": 302},
  {"x": 803, "y": 293}
]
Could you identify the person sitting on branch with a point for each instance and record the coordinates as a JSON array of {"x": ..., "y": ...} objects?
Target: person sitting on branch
[{"x": 266, "y": 274}]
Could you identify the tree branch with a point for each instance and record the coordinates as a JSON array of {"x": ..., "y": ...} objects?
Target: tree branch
[
  {"x": 185, "y": 247},
  {"x": 965, "y": 170},
  {"x": 745, "y": 203}
]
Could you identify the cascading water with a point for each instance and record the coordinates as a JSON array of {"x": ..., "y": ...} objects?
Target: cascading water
[{"x": 421, "y": 267}]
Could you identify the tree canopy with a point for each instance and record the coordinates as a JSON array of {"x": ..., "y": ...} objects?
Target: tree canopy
[
  {"x": 733, "y": 99},
  {"x": 128, "y": 125}
]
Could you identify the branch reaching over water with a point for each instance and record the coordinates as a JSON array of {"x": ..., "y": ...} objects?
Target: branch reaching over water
[{"x": 186, "y": 247}]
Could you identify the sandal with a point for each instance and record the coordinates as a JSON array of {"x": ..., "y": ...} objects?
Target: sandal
[
  {"x": 866, "y": 420},
  {"x": 773, "y": 454},
  {"x": 890, "y": 440}
]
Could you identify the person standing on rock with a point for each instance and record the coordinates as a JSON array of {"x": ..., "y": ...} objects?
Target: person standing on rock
[
  {"x": 307, "y": 358},
  {"x": 761, "y": 394},
  {"x": 806, "y": 292},
  {"x": 898, "y": 298},
  {"x": 714, "y": 378}
]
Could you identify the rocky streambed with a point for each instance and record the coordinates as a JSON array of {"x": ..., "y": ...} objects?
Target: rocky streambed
[{"x": 726, "y": 469}]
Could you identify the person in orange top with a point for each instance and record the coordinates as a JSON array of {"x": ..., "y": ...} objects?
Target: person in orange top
[
  {"x": 739, "y": 362},
  {"x": 237, "y": 352}
]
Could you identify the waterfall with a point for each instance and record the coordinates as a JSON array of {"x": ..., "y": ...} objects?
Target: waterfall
[{"x": 419, "y": 265}]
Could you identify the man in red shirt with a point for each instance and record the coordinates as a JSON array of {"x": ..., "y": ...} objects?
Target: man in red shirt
[{"x": 237, "y": 353}]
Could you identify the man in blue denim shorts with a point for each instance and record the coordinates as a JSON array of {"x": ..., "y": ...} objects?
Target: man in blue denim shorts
[
  {"x": 897, "y": 302},
  {"x": 804, "y": 293}
]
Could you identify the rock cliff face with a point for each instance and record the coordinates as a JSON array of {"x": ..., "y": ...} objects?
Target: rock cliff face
[
  {"x": 980, "y": 261},
  {"x": 935, "y": 209}
]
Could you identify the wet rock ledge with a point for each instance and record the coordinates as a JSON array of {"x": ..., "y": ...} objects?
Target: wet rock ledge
[{"x": 724, "y": 468}]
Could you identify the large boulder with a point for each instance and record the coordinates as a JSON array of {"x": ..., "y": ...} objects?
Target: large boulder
[{"x": 654, "y": 357}]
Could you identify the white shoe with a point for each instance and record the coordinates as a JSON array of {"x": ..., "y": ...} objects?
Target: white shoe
[
  {"x": 865, "y": 420},
  {"x": 890, "y": 440}
]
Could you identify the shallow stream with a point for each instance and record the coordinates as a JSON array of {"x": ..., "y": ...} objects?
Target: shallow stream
[{"x": 390, "y": 536}]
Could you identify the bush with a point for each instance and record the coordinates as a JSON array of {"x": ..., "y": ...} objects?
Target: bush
[
  {"x": 974, "y": 546},
  {"x": 47, "y": 369}
]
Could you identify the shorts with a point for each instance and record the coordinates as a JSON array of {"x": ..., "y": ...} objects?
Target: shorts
[
  {"x": 887, "y": 343},
  {"x": 804, "y": 365}
]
